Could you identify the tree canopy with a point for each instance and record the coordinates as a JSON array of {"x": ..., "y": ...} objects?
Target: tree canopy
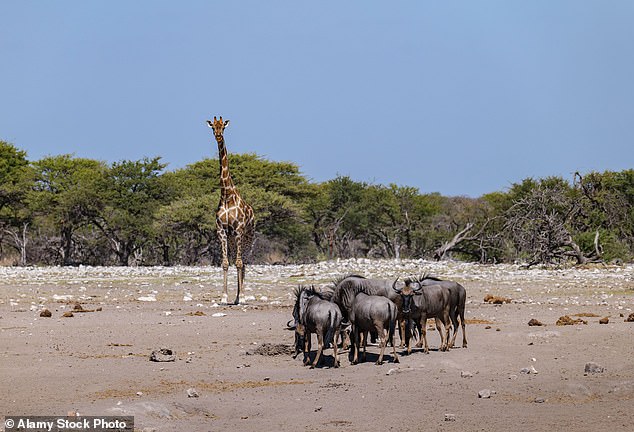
[{"x": 66, "y": 210}]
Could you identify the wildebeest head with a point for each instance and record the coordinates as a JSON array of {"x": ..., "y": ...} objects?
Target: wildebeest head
[
  {"x": 407, "y": 293},
  {"x": 302, "y": 297}
]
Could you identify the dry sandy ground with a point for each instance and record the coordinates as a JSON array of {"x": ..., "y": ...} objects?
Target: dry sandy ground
[{"x": 97, "y": 363}]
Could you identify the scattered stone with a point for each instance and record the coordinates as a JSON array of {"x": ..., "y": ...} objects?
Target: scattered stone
[
  {"x": 484, "y": 394},
  {"x": 163, "y": 355},
  {"x": 450, "y": 417},
  {"x": 566, "y": 320},
  {"x": 68, "y": 314},
  {"x": 496, "y": 299},
  {"x": 630, "y": 318},
  {"x": 317, "y": 409},
  {"x": 46, "y": 313},
  {"x": 77, "y": 307},
  {"x": 466, "y": 374},
  {"x": 139, "y": 393},
  {"x": 533, "y": 322},
  {"x": 267, "y": 378},
  {"x": 593, "y": 368},
  {"x": 219, "y": 314},
  {"x": 488, "y": 328},
  {"x": 529, "y": 370},
  {"x": 539, "y": 400},
  {"x": 604, "y": 320},
  {"x": 192, "y": 393}
]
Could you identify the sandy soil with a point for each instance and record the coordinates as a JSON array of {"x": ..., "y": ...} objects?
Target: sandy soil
[{"x": 97, "y": 363}]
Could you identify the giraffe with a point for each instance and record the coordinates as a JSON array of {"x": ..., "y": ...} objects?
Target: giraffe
[{"x": 235, "y": 221}]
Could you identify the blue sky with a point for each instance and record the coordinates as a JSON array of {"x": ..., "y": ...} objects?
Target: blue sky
[{"x": 460, "y": 97}]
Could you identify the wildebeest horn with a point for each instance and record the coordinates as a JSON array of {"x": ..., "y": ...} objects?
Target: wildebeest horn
[
  {"x": 289, "y": 326},
  {"x": 394, "y": 286}
]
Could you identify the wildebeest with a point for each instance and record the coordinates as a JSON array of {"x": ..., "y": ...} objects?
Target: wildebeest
[
  {"x": 458, "y": 297},
  {"x": 313, "y": 313},
  {"x": 347, "y": 287},
  {"x": 420, "y": 303},
  {"x": 372, "y": 313}
]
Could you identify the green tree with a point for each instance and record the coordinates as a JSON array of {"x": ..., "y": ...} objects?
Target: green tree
[
  {"x": 15, "y": 217},
  {"x": 134, "y": 191},
  {"x": 65, "y": 197}
]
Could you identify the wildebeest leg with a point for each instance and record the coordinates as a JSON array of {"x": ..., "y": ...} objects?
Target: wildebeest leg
[
  {"x": 364, "y": 342},
  {"x": 320, "y": 348},
  {"x": 383, "y": 339},
  {"x": 334, "y": 349},
  {"x": 355, "y": 344},
  {"x": 454, "y": 327},
  {"x": 402, "y": 331},
  {"x": 443, "y": 344},
  {"x": 307, "y": 337},
  {"x": 464, "y": 335},
  {"x": 390, "y": 335},
  {"x": 409, "y": 329},
  {"x": 423, "y": 324}
]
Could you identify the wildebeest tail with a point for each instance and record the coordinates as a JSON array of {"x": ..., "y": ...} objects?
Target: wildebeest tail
[
  {"x": 390, "y": 334},
  {"x": 331, "y": 329}
]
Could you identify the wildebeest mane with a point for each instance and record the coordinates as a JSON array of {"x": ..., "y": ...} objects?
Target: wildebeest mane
[
  {"x": 426, "y": 276},
  {"x": 338, "y": 280},
  {"x": 310, "y": 291},
  {"x": 348, "y": 287}
]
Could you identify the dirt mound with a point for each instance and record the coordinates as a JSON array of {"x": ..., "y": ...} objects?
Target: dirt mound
[
  {"x": 566, "y": 320},
  {"x": 268, "y": 349},
  {"x": 496, "y": 299}
]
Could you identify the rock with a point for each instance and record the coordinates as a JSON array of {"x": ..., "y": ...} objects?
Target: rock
[
  {"x": 450, "y": 417},
  {"x": 68, "y": 314},
  {"x": 46, "y": 313},
  {"x": 533, "y": 322},
  {"x": 484, "y": 394},
  {"x": 192, "y": 393},
  {"x": 539, "y": 400},
  {"x": 218, "y": 314},
  {"x": 529, "y": 370},
  {"x": 593, "y": 368},
  {"x": 163, "y": 355},
  {"x": 604, "y": 320},
  {"x": 77, "y": 307},
  {"x": 630, "y": 318},
  {"x": 466, "y": 374}
]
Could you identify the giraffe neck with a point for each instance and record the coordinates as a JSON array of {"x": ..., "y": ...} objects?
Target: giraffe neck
[{"x": 226, "y": 182}]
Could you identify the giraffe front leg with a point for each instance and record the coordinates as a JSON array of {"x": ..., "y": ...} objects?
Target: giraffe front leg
[
  {"x": 222, "y": 235},
  {"x": 239, "y": 266}
]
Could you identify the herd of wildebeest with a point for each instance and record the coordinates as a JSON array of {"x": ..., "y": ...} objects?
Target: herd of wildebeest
[{"x": 355, "y": 306}]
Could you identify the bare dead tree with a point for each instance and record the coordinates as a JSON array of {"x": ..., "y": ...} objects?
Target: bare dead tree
[
  {"x": 539, "y": 226},
  {"x": 461, "y": 236}
]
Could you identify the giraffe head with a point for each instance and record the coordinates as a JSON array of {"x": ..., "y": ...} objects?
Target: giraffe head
[{"x": 218, "y": 125}]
